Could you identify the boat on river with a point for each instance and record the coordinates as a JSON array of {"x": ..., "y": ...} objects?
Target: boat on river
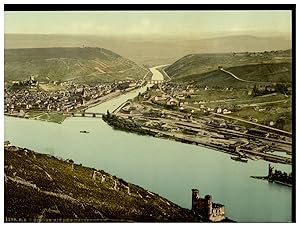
[
  {"x": 239, "y": 159},
  {"x": 84, "y": 131}
]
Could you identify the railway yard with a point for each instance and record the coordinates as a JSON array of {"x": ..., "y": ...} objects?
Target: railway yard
[{"x": 242, "y": 139}]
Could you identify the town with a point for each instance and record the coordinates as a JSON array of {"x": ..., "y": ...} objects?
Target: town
[
  {"x": 186, "y": 112},
  {"x": 23, "y": 98},
  {"x": 149, "y": 115}
]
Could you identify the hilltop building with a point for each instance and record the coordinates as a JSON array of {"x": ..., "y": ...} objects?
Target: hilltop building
[{"x": 204, "y": 207}]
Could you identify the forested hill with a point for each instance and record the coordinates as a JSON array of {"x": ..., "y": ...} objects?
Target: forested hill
[{"x": 82, "y": 65}]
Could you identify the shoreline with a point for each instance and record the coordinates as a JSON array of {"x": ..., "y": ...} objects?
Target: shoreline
[
  {"x": 275, "y": 181},
  {"x": 94, "y": 103},
  {"x": 142, "y": 130},
  {"x": 60, "y": 185},
  {"x": 155, "y": 133}
]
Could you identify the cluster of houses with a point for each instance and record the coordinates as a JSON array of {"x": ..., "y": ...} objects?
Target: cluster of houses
[
  {"x": 178, "y": 95},
  {"x": 30, "y": 82},
  {"x": 69, "y": 97},
  {"x": 180, "y": 90}
]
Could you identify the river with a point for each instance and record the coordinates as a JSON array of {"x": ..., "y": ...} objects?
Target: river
[
  {"x": 156, "y": 75},
  {"x": 170, "y": 169}
]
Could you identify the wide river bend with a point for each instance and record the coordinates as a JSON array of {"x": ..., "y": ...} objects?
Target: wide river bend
[{"x": 168, "y": 168}]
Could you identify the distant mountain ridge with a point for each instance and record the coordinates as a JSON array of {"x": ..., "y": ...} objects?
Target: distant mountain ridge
[
  {"x": 153, "y": 50},
  {"x": 86, "y": 53},
  {"x": 83, "y": 65}
]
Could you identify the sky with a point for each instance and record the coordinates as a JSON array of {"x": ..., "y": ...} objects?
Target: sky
[{"x": 164, "y": 23}]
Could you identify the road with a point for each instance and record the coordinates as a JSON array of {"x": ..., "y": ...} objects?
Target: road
[
  {"x": 242, "y": 120},
  {"x": 256, "y": 124},
  {"x": 264, "y": 103},
  {"x": 146, "y": 75},
  {"x": 248, "y": 81},
  {"x": 235, "y": 77}
]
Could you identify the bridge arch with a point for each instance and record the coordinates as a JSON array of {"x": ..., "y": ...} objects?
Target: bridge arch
[{"x": 155, "y": 81}]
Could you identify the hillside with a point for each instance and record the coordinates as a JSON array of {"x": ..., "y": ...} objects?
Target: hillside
[
  {"x": 160, "y": 50},
  {"x": 254, "y": 74},
  {"x": 44, "y": 188},
  {"x": 200, "y": 64},
  {"x": 82, "y": 65}
]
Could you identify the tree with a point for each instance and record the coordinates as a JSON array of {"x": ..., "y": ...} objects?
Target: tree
[
  {"x": 255, "y": 90},
  {"x": 280, "y": 123},
  {"x": 282, "y": 88},
  {"x": 234, "y": 108}
]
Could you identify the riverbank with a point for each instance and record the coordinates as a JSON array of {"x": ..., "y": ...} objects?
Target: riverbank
[
  {"x": 120, "y": 123},
  {"x": 58, "y": 116},
  {"x": 53, "y": 117},
  {"x": 275, "y": 181},
  {"x": 277, "y": 176},
  {"x": 109, "y": 97},
  {"x": 63, "y": 191},
  {"x": 189, "y": 133},
  {"x": 155, "y": 161}
]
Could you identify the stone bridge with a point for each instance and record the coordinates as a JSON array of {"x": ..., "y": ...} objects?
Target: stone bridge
[
  {"x": 155, "y": 81},
  {"x": 86, "y": 114}
]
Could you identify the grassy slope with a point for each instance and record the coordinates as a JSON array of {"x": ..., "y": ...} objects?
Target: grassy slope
[
  {"x": 215, "y": 78},
  {"x": 84, "y": 65},
  {"x": 62, "y": 192},
  {"x": 270, "y": 72},
  {"x": 269, "y": 66}
]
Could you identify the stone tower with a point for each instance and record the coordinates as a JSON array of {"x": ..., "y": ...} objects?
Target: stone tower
[
  {"x": 195, "y": 199},
  {"x": 83, "y": 92},
  {"x": 208, "y": 199},
  {"x": 204, "y": 207},
  {"x": 270, "y": 171}
]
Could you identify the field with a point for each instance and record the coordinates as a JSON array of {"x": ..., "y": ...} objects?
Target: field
[
  {"x": 260, "y": 109},
  {"x": 44, "y": 116},
  {"x": 255, "y": 86}
]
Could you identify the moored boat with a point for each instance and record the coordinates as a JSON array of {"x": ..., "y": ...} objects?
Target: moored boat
[
  {"x": 84, "y": 131},
  {"x": 239, "y": 158}
]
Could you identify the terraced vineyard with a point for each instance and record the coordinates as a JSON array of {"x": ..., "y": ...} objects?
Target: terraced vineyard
[
  {"x": 43, "y": 188},
  {"x": 274, "y": 66},
  {"x": 82, "y": 65}
]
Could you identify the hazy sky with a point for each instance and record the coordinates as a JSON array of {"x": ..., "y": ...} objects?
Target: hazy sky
[{"x": 185, "y": 23}]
